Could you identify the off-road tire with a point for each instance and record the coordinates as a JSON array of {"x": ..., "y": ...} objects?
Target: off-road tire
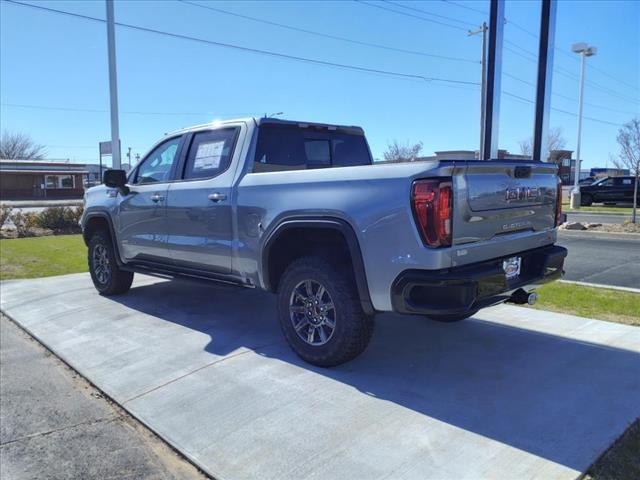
[
  {"x": 118, "y": 281},
  {"x": 353, "y": 327},
  {"x": 452, "y": 318},
  {"x": 586, "y": 200}
]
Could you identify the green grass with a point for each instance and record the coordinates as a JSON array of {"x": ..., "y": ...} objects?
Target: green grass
[
  {"x": 42, "y": 256},
  {"x": 598, "y": 209},
  {"x": 599, "y": 303}
]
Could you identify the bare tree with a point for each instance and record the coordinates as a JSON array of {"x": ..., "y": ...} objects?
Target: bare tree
[
  {"x": 555, "y": 141},
  {"x": 629, "y": 141},
  {"x": 20, "y": 146},
  {"x": 397, "y": 152}
]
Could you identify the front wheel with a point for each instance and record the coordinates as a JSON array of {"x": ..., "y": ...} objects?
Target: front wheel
[
  {"x": 107, "y": 276},
  {"x": 586, "y": 200},
  {"x": 320, "y": 312}
]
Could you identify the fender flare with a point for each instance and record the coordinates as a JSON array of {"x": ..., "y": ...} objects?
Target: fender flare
[
  {"x": 321, "y": 222},
  {"x": 112, "y": 232}
]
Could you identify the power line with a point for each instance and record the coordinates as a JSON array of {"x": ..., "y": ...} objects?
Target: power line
[
  {"x": 426, "y": 12},
  {"x": 466, "y": 7},
  {"x": 574, "y": 57},
  {"x": 326, "y": 35},
  {"x": 251, "y": 50},
  {"x": 532, "y": 56},
  {"x": 526, "y": 100},
  {"x": 568, "y": 74},
  {"x": 406, "y": 14},
  {"x": 566, "y": 97},
  {"x": 603, "y": 72},
  {"x": 325, "y": 63},
  {"x": 290, "y": 27}
]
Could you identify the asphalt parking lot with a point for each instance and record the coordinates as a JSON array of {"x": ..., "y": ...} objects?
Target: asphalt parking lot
[
  {"x": 605, "y": 259},
  {"x": 514, "y": 393}
]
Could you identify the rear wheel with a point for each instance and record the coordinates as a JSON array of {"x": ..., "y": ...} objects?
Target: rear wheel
[
  {"x": 320, "y": 312},
  {"x": 586, "y": 200},
  {"x": 107, "y": 277},
  {"x": 452, "y": 318}
]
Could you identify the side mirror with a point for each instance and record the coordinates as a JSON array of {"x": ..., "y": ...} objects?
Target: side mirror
[{"x": 116, "y": 179}]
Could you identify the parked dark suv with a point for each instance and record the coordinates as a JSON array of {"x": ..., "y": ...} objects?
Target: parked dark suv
[{"x": 608, "y": 190}]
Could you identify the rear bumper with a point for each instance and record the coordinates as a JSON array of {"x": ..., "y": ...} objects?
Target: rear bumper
[{"x": 460, "y": 290}]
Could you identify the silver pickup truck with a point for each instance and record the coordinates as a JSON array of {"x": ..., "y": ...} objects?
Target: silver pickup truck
[{"x": 301, "y": 210}]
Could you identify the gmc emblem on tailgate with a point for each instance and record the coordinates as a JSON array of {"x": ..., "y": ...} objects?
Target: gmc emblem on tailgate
[{"x": 521, "y": 193}]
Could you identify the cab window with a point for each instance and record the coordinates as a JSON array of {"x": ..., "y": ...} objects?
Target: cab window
[{"x": 157, "y": 166}]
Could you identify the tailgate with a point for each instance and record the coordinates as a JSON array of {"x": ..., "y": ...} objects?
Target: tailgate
[{"x": 498, "y": 197}]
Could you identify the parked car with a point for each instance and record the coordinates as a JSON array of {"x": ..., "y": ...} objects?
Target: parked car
[
  {"x": 299, "y": 209},
  {"x": 608, "y": 190}
]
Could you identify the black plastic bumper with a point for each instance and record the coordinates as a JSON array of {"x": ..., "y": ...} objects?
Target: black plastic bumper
[{"x": 468, "y": 288}]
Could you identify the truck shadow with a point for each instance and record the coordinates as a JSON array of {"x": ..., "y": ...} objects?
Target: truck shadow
[{"x": 558, "y": 398}]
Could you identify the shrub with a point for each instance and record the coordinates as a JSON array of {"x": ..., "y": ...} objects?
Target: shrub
[{"x": 60, "y": 219}]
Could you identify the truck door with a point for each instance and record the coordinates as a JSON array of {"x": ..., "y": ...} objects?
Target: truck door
[
  {"x": 142, "y": 220},
  {"x": 199, "y": 207}
]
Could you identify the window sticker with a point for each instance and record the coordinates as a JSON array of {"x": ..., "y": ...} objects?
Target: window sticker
[{"x": 208, "y": 156}]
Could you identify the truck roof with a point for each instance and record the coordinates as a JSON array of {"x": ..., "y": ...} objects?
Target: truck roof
[{"x": 274, "y": 121}]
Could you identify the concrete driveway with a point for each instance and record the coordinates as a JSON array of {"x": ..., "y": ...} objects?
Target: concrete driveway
[{"x": 514, "y": 393}]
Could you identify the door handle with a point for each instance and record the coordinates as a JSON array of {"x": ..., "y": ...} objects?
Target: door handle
[
  {"x": 156, "y": 198},
  {"x": 217, "y": 196}
]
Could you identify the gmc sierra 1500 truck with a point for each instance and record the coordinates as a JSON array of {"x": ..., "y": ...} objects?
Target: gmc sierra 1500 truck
[{"x": 301, "y": 210}]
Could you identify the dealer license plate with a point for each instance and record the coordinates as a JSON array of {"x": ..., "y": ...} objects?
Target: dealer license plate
[{"x": 511, "y": 267}]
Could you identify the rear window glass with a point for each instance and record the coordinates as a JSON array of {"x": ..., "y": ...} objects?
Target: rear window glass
[{"x": 289, "y": 147}]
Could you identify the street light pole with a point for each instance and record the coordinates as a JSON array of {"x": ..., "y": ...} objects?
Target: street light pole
[
  {"x": 483, "y": 80},
  {"x": 584, "y": 51},
  {"x": 113, "y": 87}
]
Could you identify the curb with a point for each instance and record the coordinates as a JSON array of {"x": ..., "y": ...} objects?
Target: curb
[
  {"x": 569, "y": 212},
  {"x": 600, "y": 285},
  {"x": 628, "y": 234}
]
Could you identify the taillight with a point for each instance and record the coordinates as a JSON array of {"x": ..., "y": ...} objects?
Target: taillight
[
  {"x": 432, "y": 208},
  {"x": 559, "y": 203}
]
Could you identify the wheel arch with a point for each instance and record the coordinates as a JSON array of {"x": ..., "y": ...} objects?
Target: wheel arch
[
  {"x": 97, "y": 221},
  {"x": 271, "y": 270}
]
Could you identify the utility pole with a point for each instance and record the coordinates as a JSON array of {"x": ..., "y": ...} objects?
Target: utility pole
[
  {"x": 584, "y": 51},
  {"x": 113, "y": 87},
  {"x": 483, "y": 80},
  {"x": 129, "y": 156},
  {"x": 493, "y": 82}
]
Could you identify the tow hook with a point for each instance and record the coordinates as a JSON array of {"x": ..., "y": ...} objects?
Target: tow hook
[{"x": 521, "y": 297}]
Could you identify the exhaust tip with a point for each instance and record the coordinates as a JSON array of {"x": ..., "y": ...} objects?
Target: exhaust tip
[{"x": 520, "y": 297}]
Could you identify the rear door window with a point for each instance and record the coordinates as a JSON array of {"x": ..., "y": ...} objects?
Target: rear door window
[
  {"x": 290, "y": 147},
  {"x": 210, "y": 153}
]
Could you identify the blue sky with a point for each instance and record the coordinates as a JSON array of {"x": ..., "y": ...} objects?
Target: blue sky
[{"x": 54, "y": 84}]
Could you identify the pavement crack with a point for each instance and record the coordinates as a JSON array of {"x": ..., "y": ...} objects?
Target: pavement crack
[{"x": 108, "y": 419}]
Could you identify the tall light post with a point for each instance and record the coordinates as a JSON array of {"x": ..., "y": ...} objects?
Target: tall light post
[
  {"x": 584, "y": 51},
  {"x": 113, "y": 87}
]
